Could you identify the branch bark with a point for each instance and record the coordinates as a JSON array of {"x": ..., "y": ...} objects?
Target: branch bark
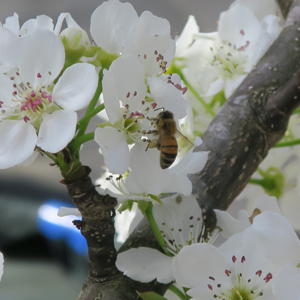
[
  {"x": 249, "y": 124},
  {"x": 285, "y": 6}
]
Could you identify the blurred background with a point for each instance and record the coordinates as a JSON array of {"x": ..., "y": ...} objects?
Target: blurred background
[{"x": 44, "y": 262}]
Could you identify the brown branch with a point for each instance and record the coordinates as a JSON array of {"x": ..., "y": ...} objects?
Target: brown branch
[
  {"x": 97, "y": 224},
  {"x": 284, "y": 6},
  {"x": 252, "y": 121}
]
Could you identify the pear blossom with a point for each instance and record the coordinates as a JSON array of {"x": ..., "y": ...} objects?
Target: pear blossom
[
  {"x": 40, "y": 22},
  {"x": 146, "y": 37},
  {"x": 238, "y": 270},
  {"x": 179, "y": 220},
  {"x": 221, "y": 60},
  {"x": 129, "y": 107},
  {"x": 34, "y": 109},
  {"x": 230, "y": 225}
]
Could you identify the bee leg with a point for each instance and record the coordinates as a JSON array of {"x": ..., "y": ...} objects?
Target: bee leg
[
  {"x": 154, "y": 132},
  {"x": 152, "y": 119},
  {"x": 153, "y": 144}
]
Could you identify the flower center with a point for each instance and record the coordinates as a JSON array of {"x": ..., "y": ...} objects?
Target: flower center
[
  {"x": 27, "y": 102},
  {"x": 229, "y": 59},
  {"x": 132, "y": 121},
  {"x": 242, "y": 288}
]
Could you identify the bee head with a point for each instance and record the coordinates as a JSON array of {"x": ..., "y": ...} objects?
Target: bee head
[{"x": 165, "y": 115}]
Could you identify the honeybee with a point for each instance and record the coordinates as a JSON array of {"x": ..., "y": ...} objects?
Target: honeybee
[{"x": 166, "y": 142}]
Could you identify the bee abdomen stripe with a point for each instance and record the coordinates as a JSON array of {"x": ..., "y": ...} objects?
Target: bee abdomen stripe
[
  {"x": 170, "y": 146},
  {"x": 169, "y": 155}
]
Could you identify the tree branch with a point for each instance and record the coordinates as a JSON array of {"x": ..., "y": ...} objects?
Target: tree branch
[{"x": 284, "y": 6}]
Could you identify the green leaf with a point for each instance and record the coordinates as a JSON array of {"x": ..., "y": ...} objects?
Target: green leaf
[
  {"x": 126, "y": 205},
  {"x": 155, "y": 198},
  {"x": 151, "y": 296},
  {"x": 143, "y": 205},
  {"x": 220, "y": 97}
]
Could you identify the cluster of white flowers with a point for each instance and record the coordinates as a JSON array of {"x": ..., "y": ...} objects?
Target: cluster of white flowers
[{"x": 136, "y": 70}]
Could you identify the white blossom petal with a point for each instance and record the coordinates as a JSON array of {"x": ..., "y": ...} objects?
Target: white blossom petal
[
  {"x": 259, "y": 8},
  {"x": 30, "y": 159},
  {"x": 57, "y": 130},
  {"x": 215, "y": 87},
  {"x": 181, "y": 214},
  {"x": 286, "y": 283},
  {"x": 18, "y": 140},
  {"x": 192, "y": 162},
  {"x": 112, "y": 105},
  {"x": 168, "y": 96},
  {"x": 232, "y": 83},
  {"x": 33, "y": 66},
  {"x": 114, "y": 148},
  {"x": 128, "y": 75},
  {"x": 41, "y": 22},
  {"x": 271, "y": 228},
  {"x": 76, "y": 87},
  {"x": 228, "y": 224},
  {"x": 195, "y": 264},
  {"x": 145, "y": 264},
  {"x": 187, "y": 36},
  {"x": 149, "y": 35},
  {"x": 239, "y": 25},
  {"x": 146, "y": 170},
  {"x": 115, "y": 17},
  {"x": 12, "y": 23}
]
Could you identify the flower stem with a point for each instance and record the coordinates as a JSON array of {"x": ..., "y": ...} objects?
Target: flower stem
[
  {"x": 88, "y": 114},
  {"x": 155, "y": 229},
  {"x": 257, "y": 181},
  {"x": 287, "y": 143},
  {"x": 187, "y": 84},
  {"x": 75, "y": 144},
  {"x": 177, "y": 292}
]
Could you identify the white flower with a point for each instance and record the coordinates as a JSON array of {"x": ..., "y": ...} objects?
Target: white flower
[
  {"x": 34, "y": 111},
  {"x": 238, "y": 271},
  {"x": 128, "y": 105},
  {"x": 147, "y": 176},
  {"x": 179, "y": 220},
  {"x": 230, "y": 225},
  {"x": 146, "y": 37},
  {"x": 221, "y": 60}
]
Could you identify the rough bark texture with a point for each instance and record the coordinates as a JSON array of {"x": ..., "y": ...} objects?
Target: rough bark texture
[{"x": 239, "y": 138}]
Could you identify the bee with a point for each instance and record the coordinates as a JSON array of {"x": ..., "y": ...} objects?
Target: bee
[{"x": 166, "y": 142}]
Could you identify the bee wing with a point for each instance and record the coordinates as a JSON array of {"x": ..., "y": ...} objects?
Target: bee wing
[{"x": 179, "y": 134}]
